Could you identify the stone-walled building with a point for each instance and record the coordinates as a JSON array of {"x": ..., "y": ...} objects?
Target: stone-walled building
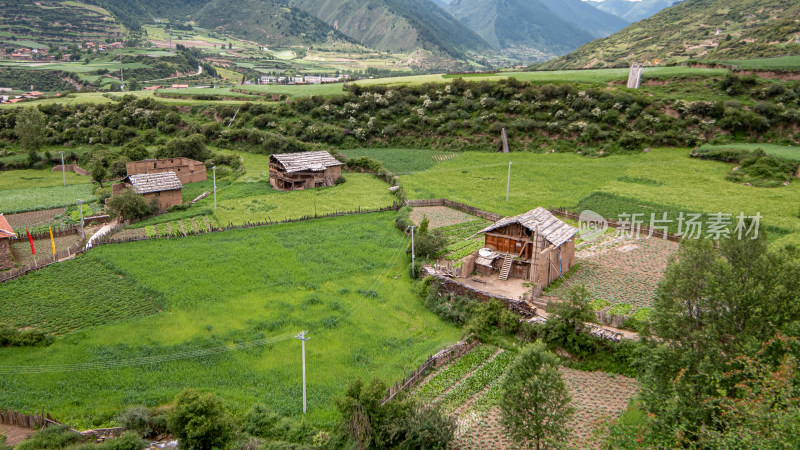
[
  {"x": 164, "y": 186},
  {"x": 305, "y": 170},
  {"x": 187, "y": 170},
  {"x": 6, "y": 234}
]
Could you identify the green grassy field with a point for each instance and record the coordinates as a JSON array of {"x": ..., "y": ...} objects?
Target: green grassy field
[
  {"x": 28, "y": 190},
  {"x": 402, "y": 160},
  {"x": 781, "y": 151},
  {"x": 776, "y": 63},
  {"x": 666, "y": 177},
  {"x": 297, "y": 90},
  {"x": 336, "y": 278},
  {"x": 21, "y": 179}
]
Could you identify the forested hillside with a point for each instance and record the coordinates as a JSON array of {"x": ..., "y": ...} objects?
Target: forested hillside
[
  {"x": 268, "y": 22},
  {"x": 396, "y": 25},
  {"x": 696, "y": 29}
]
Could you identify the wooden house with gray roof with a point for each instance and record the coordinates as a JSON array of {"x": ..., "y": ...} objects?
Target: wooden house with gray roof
[
  {"x": 305, "y": 170},
  {"x": 163, "y": 186},
  {"x": 6, "y": 235},
  {"x": 534, "y": 246}
]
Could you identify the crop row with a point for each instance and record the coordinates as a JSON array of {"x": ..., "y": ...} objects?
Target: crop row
[
  {"x": 484, "y": 376},
  {"x": 446, "y": 378},
  {"x": 195, "y": 225}
]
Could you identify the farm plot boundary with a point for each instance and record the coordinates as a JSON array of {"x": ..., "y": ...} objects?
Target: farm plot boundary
[{"x": 455, "y": 205}]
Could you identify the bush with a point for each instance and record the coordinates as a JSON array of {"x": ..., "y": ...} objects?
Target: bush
[
  {"x": 138, "y": 419},
  {"x": 487, "y": 318},
  {"x": 339, "y": 181},
  {"x": 200, "y": 420},
  {"x": 261, "y": 421},
  {"x": 11, "y": 337},
  {"x": 129, "y": 205},
  {"x": 428, "y": 245},
  {"x": 128, "y": 441},
  {"x": 50, "y": 438}
]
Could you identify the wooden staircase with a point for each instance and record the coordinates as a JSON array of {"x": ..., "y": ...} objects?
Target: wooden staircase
[{"x": 507, "y": 261}]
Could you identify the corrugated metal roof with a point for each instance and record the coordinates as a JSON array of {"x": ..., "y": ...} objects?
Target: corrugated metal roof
[
  {"x": 539, "y": 221},
  {"x": 313, "y": 161},
  {"x": 5, "y": 228},
  {"x": 145, "y": 183}
]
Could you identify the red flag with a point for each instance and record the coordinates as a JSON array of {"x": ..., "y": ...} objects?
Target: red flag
[{"x": 30, "y": 239}]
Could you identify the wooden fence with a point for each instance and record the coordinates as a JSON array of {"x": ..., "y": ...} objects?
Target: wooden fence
[
  {"x": 432, "y": 362},
  {"x": 455, "y": 205},
  {"x": 43, "y": 261},
  {"x": 19, "y": 419},
  {"x": 109, "y": 239},
  {"x": 57, "y": 232},
  {"x": 643, "y": 229}
]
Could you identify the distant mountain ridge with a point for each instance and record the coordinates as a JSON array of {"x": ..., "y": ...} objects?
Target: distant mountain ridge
[
  {"x": 699, "y": 30},
  {"x": 632, "y": 11},
  {"x": 549, "y": 27},
  {"x": 397, "y": 25}
]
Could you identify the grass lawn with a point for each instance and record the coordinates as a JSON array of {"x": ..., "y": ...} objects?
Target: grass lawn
[
  {"x": 776, "y": 63},
  {"x": 336, "y": 278},
  {"x": 663, "y": 176}
]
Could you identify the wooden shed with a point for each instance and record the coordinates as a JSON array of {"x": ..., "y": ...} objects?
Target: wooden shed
[
  {"x": 164, "y": 186},
  {"x": 6, "y": 234},
  {"x": 305, "y": 170},
  {"x": 534, "y": 246}
]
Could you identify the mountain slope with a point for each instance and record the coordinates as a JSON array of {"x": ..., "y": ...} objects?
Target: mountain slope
[
  {"x": 597, "y": 22},
  {"x": 396, "y": 25},
  {"x": 519, "y": 23},
  {"x": 134, "y": 13},
  {"x": 632, "y": 11},
  {"x": 268, "y": 22},
  {"x": 747, "y": 28}
]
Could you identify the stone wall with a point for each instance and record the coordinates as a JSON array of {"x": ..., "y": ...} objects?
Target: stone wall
[
  {"x": 5, "y": 254},
  {"x": 454, "y": 287}
]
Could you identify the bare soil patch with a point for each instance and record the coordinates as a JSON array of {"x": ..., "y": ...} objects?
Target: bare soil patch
[
  {"x": 33, "y": 218},
  {"x": 440, "y": 216},
  {"x": 21, "y": 249},
  {"x": 596, "y": 396},
  {"x": 15, "y": 434}
]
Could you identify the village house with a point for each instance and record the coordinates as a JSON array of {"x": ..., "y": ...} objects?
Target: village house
[
  {"x": 180, "y": 86},
  {"x": 187, "y": 170},
  {"x": 534, "y": 246},
  {"x": 164, "y": 187},
  {"x": 6, "y": 234},
  {"x": 305, "y": 170}
]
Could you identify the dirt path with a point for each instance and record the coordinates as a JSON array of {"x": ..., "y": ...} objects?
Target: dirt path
[{"x": 15, "y": 434}]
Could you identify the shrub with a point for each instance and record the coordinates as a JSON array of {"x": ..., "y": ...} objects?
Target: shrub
[
  {"x": 138, "y": 419},
  {"x": 200, "y": 420},
  {"x": 50, "y": 438},
  {"x": 261, "y": 421},
  {"x": 487, "y": 318},
  {"x": 11, "y": 337},
  {"x": 340, "y": 180},
  {"x": 128, "y": 441},
  {"x": 129, "y": 205},
  {"x": 428, "y": 245}
]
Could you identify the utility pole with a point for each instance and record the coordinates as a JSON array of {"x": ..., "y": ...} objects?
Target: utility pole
[
  {"x": 214, "y": 174},
  {"x": 121, "y": 75},
  {"x": 303, "y": 339},
  {"x": 80, "y": 208},
  {"x": 63, "y": 173},
  {"x": 412, "y": 249},
  {"x": 508, "y": 185}
]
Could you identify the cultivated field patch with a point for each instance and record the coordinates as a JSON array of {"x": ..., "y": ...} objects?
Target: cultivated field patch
[
  {"x": 402, "y": 160},
  {"x": 440, "y": 216},
  {"x": 621, "y": 270}
]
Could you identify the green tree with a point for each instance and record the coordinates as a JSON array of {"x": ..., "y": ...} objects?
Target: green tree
[
  {"x": 99, "y": 172},
  {"x": 30, "y": 129},
  {"x": 535, "y": 403},
  {"x": 713, "y": 306},
  {"x": 128, "y": 205},
  {"x": 564, "y": 329},
  {"x": 200, "y": 421}
]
